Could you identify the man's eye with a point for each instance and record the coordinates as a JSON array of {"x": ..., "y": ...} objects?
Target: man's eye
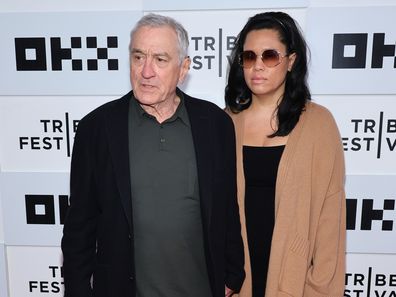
[
  {"x": 138, "y": 58},
  {"x": 161, "y": 61}
]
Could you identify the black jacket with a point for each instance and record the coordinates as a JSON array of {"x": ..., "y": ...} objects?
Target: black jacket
[{"x": 97, "y": 237}]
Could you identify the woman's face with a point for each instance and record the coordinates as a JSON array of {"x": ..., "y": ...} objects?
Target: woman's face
[{"x": 263, "y": 78}]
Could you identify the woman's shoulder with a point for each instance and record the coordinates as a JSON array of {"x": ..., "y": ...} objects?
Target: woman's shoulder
[
  {"x": 320, "y": 120},
  {"x": 317, "y": 110},
  {"x": 318, "y": 113}
]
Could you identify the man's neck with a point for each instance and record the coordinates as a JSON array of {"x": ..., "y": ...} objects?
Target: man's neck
[{"x": 163, "y": 110}]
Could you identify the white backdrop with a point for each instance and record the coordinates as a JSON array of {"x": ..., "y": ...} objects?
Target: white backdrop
[
  {"x": 60, "y": 60},
  {"x": 3, "y": 281}
]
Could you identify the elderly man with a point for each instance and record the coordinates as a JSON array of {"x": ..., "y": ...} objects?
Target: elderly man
[{"x": 153, "y": 208}]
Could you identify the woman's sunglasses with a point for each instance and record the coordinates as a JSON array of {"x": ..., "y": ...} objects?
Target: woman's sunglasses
[{"x": 270, "y": 58}]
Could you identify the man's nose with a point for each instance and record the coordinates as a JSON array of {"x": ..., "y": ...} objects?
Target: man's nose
[{"x": 148, "y": 68}]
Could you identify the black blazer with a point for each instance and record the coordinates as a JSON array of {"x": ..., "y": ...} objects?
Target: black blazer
[{"x": 97, "y": 241}]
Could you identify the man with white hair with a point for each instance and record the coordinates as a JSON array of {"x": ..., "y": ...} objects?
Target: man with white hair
[{"x": 153, "y": 209}]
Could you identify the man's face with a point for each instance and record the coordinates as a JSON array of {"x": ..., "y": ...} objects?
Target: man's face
[{"x": 155, "y": 66}]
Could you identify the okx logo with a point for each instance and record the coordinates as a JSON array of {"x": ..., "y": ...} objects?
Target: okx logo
[
  {"x": 40, "y": 209},
  {"x": 350, "y": 50},
  {"x": 82, "y": 53},
  {"x": 361, "y": 214}
]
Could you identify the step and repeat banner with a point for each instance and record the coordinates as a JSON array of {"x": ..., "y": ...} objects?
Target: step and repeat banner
[{"x": 59, "y": 64}]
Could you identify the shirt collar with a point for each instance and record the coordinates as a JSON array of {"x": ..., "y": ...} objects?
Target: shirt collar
[{"x": 181, "y": 112}]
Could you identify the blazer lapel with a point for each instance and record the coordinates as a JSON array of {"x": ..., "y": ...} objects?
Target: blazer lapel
[
  {"x": 117, "y": 133},
  {"x": 203, "y": 144}
]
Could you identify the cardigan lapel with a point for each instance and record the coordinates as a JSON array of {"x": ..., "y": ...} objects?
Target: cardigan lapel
[
  {"x": 117, "y": 133},
  {"x": 202, "y": 138},
  {"x": 287, "y": 157}
]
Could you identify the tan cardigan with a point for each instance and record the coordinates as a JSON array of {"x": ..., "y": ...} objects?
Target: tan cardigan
[{"x": 308, "y": 244}]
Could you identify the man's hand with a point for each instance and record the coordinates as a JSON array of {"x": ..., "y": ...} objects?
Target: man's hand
[{"x": 228, "y": 292}]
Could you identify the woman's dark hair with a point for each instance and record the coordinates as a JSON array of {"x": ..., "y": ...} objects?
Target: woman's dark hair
[{"x": 237, "y": 94}]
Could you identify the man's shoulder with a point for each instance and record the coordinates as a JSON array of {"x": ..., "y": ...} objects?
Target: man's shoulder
[
  {"x": 203, "y": 103},
  {"x": 204, "y": 106},
  {"x": 116, "y": 105}
]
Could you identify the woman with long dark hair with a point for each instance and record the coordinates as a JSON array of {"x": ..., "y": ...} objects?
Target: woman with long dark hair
[{"x": 290, "y": 166}]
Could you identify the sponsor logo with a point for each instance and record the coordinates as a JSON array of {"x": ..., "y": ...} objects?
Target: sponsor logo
[
  {"x": 350, "y": 51},
  {"x": 40, "y": 208},
  {"x": 56, "y": 134},
  {"x": 48, "y": 286},
  {"x": 371, "y": 135},
  {"x": 31, "y": 54},
  {"x": 370, "y": 284},
  {"x": 208, "y": 52},
  {"x": 361, "y": 214}
]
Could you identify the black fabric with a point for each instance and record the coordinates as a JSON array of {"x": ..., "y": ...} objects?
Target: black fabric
[{"x": 260, "y": 169}]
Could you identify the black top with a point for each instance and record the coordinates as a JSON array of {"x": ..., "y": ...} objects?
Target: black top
[{"x": 260, "y": 168}]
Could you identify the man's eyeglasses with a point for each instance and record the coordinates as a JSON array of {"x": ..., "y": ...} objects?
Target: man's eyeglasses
[{"x": 270, "y": 58}]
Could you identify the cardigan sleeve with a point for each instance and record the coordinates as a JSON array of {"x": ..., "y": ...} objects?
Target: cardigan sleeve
[{"x": 326, "y": 275}]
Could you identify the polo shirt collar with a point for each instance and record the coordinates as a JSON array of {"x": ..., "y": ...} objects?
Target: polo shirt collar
[{"x": 181, "y": 111}]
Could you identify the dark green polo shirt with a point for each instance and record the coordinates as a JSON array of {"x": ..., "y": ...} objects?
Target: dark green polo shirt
[{"x": 168, "y": 235}]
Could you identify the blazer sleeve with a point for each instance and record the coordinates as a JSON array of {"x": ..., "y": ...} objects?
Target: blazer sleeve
[
  {"x": 325, "y": 277},
  {"x": 79, "y": 240},
  {"x": 235, "y": 273}
]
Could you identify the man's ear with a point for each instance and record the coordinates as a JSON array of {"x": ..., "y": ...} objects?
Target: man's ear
[{"x": 185, "y": 66}]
